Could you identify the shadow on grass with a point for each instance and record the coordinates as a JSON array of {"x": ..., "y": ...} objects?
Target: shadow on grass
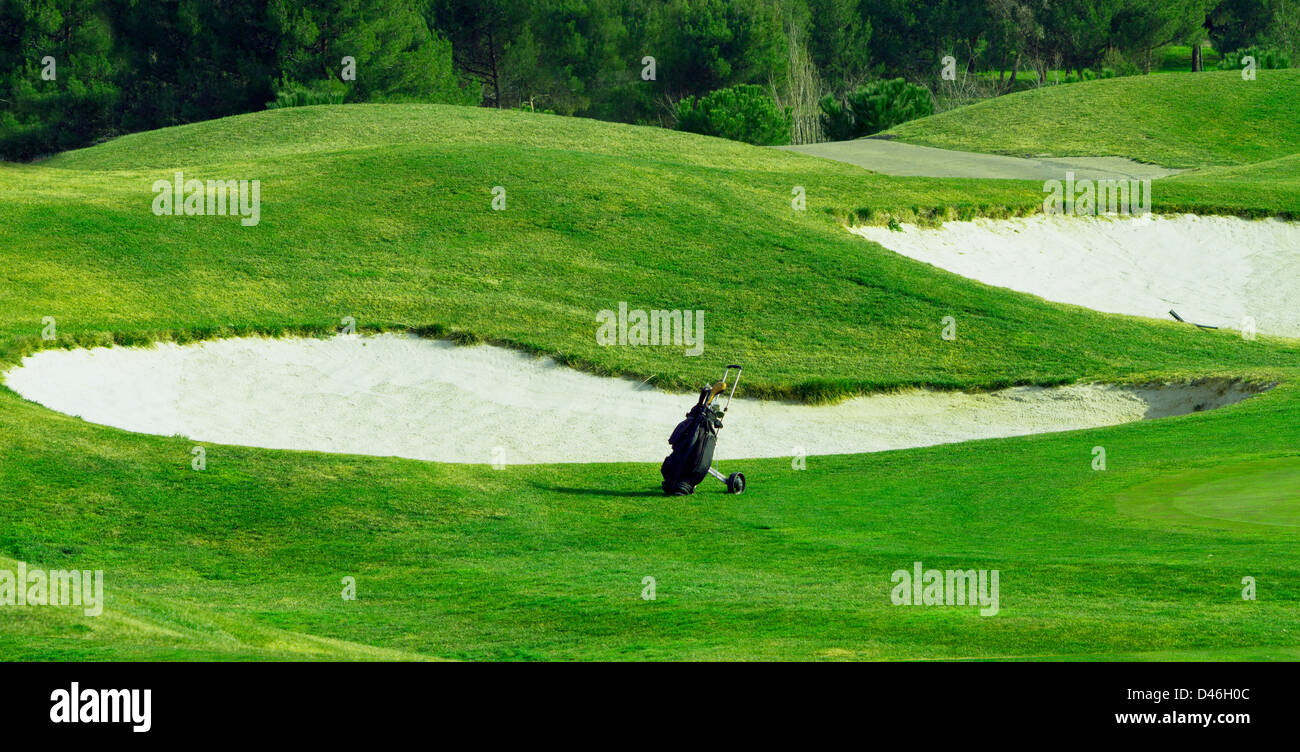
[{"x": 595, "y": 491}]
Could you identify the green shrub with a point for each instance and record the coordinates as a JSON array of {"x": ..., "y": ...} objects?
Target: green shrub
[
  {"x": 878, "y": 106},
  {"x": 837, "y": 120},
  {"x": 40, "y": 117},
  {"x": 1114, "y": 64},
  {"x": 1265, "y": 59},
  {"x": 526, "y": 107},
  {"x": 740, "y": 113},
  {"x": 291, "y": 93}
]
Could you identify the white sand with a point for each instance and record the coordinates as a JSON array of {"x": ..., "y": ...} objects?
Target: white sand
[
  {"x": 1211, "y": 270},
  {"x": 432, "y": 400}
]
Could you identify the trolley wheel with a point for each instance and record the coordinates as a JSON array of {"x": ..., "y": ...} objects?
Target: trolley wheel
[{"x": 736, "y": 483}]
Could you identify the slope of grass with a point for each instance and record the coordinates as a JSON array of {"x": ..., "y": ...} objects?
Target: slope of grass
[
  {"x": 1260, "y": 189},
  {"x": 403, "y": 235},
  {"x": 383, "y": 213},
  {"x": 246, "y": 559},
  {"x": 1176, "y": 120},
  {"x": 304, "y": 131}
]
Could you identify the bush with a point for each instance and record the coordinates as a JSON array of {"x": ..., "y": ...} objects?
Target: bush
[
  {"x": 1265, "y": 59},
  {"x": 1116, "y": 65},
  {"x": 837, "y": 120},
  {"x": 878, "y": 106},
  {"x": 532, "y": 107},
  {"x": 291, "y": 93},
  {"x": 45, "y": 117},
  {"x": 740, "y": 113}
]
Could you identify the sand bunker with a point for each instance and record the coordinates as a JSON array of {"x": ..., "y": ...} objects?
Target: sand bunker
[
  {"x": 433, "y": 400},
  {"x": 1211, "y": 270}
]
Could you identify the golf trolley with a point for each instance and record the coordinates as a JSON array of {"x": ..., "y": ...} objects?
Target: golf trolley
[{"x": 694, "y": 439}]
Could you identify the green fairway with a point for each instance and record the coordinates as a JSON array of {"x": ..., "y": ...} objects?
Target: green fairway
[
  {"x": 245, "y": 559},
  {"x": 383, "y": 213},
  {"x": 1175, "y": 120}
]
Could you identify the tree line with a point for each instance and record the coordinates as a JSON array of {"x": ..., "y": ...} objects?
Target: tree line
[{"x": 74, "y": 72}]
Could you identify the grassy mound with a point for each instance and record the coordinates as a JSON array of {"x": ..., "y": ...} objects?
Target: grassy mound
[
  {"x": 1174, "y": 119},
  {"x": 383, "y": 213}
]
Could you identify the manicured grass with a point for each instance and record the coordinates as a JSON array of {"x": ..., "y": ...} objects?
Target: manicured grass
[
  {"x": 1241, "y": 495},
  {"x": 1176, "y": 120},
  {"x": 403, "y": 235},
  {"x": 1261, "y": 189},
  {"x": 383, "y": 214},
  {"x": 245, "y": 559}
]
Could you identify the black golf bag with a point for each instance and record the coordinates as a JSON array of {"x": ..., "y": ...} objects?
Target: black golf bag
[
  {"x": 693, "y": 440},
  {"x": 692, "y": 456}
]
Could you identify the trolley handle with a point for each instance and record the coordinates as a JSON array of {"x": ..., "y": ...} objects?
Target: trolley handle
[{"x": 734, "y": 384}]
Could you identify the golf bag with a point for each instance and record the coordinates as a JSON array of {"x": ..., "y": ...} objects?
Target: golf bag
[{"x": 692, "y": 456}]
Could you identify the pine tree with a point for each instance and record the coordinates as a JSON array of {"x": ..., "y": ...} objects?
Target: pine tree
[
  {"x": 57, "y": 90},
  {"x": 396, "y": 57}
]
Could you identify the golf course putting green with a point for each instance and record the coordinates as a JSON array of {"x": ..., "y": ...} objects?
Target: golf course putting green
[
  {"x": 1243, "y": 495},
  {"x": 399, "y": 395}
]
